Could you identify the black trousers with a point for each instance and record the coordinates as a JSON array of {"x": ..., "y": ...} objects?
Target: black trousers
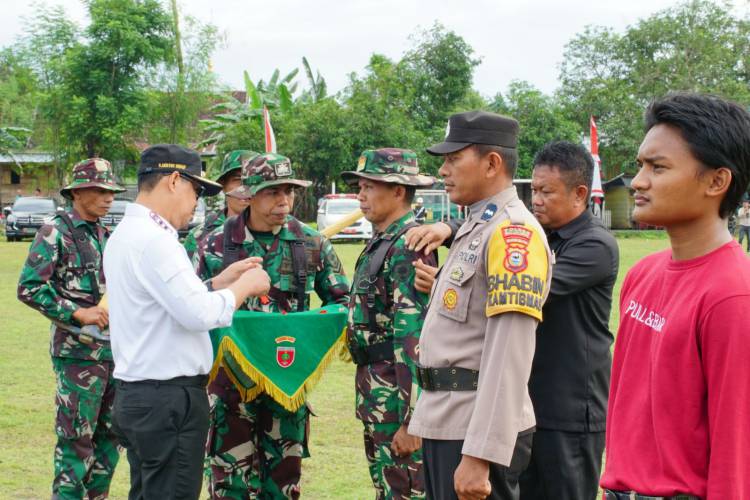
[
  {"x": 564, "y": 465},
  {"x": 441, "y": 458},
  {"x": 163, "y": 425}
]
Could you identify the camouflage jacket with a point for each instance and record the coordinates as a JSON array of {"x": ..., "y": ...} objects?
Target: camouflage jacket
[
  {"x": 54, "y": 282},
  {"x": 325, "y": 274},
  {"x": 197, "y": 235},
  {"x": 386, "y": 391}
]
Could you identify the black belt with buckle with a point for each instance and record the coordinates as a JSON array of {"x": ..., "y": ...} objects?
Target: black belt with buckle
[
  {"x": 382, "y": 351},
  {"x": 449, "y": 378},
  {"x": 184, "y": 381},
  {"x": 631, "y": 495}
]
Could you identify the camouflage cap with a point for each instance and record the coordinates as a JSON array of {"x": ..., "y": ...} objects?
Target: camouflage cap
[
  {"x": 235, "y": 160},
  {"x": 397, "y": 166},
  {"x": 266, "y": 170},
  {"x": 92, "y": 173}
]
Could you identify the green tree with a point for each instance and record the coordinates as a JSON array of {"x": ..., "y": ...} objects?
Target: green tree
[
  {"x": 318, "y": 140},
  {"x": 541, "y": 118},
  {"x": 378, "y": 105},
  {"x": 107, "y": 99},
  {"x": 438, "y": 72},
  {"x": 48, "y": 40},
  {"x": 18, "y": 90},
  {"x": 407, "y": 103},
  {"x": 402, "y": 103},
  {"x": 698, "y": 45},
  {"x": 179, "y": 97}
]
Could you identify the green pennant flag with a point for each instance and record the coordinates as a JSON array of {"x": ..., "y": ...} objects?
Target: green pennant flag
[{"x": 283, "y": 355}]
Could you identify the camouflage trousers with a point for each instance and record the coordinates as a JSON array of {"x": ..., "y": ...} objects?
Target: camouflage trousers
[
  {"x": 87, "y": 451},
  {"x": 393, "y": 477},
  {"x": 254, "y": 449}
]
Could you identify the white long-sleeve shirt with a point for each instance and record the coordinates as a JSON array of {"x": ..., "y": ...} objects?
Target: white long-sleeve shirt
[{"x": 159, "y": 310}]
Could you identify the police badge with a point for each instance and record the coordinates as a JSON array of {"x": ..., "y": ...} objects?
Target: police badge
[{"x": 516, "y": 238}]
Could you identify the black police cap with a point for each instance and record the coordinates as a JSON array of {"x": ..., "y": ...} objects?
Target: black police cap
[
  {"x": 168, "y": 158},
  {"x": 477, "y": 127}
]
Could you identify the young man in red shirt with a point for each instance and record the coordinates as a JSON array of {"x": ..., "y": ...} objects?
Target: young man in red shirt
[{"x": 679, "y": 403}]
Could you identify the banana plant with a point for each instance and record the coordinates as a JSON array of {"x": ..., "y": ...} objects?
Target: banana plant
[
  {"x": 274, "y": 94},
  {"x": 318, "y": 88}
]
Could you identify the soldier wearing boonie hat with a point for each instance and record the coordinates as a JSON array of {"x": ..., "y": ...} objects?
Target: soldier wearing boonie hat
[
  {"x": 92, "y": 173},
  {"x": 385, "y": 320},
  {"x": 230, "y": 177},
  {"x": 255, "y": 448},
  {"x": 475, "y": 415},
  {"x": 264, "y": 171},
  {"x": 63, "y": 279},
  {"x": 392, "y": 165}
]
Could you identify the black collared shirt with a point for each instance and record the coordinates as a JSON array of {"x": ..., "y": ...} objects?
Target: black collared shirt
[{"x": 569, "y": 382}]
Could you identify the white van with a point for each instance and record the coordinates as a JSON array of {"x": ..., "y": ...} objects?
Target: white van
[{"x": 334, "y": 207}]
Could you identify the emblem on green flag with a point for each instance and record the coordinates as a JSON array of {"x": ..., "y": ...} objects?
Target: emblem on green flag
[{"x": 285, "y": 353}]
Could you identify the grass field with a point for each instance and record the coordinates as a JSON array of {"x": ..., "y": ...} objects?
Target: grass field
[{"x": 337, "y": 468}]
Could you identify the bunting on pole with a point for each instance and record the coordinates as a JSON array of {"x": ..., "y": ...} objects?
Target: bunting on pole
[
  {"x": 270, "y": 138},
  {"x": 597, "y": 193}
]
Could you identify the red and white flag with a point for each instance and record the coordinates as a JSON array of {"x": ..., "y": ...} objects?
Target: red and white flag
[
  {"x": 597, "y": 193},
  {"x": 270, "y": 138}
]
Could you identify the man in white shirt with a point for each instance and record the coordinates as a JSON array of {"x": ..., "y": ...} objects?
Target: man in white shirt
[{"x": 160, "y": 313}]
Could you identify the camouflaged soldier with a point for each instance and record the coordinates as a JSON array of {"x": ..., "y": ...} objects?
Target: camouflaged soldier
[
  {"x": 63, "y": 279},
  {"x": 385, "y": 321},
  {"x": 230, "y": 178},
  {"x": 255, "y": 449}
]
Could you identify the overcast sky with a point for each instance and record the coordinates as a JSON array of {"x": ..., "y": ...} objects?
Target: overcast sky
[{"x": 515, "y": 39}]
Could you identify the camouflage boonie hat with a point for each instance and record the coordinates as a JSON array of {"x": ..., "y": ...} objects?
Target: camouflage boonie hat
[
  {"x": 235, "y": 160},
  {"x": 92, "y": 173},
  {"x": 397, "y": 166},
  {"x": 266, "y": 170}
]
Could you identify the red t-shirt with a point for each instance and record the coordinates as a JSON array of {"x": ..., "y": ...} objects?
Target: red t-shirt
[{"x": 679, "y": 404}]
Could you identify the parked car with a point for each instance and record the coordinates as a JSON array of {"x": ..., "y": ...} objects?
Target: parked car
[
  {"x": 27, "y": 215},
  {"x": 199, "y": 216},
  {"x": 437, "y": 205},
  {"x": 115, "y": 214},
  {"x": 334, "y": 207}
]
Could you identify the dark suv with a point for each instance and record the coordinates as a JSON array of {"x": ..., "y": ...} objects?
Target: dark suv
[{"x": 27, "y": 215}]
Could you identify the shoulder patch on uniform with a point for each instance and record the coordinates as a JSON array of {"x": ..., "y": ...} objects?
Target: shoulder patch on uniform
[
  {"x": 517, "y": 269},
  {"x": 489, "y": 211}
]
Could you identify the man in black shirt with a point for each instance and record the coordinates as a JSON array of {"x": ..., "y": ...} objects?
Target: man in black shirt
[{"x": 569, "y": 381}]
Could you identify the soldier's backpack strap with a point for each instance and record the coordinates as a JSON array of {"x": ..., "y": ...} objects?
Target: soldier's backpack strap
[
  {"x": 377, "y": 259},
  {"x": 231, "y": 250},
  {"x": 85, "y": 250},
  {"x": 299, "y": 269}
]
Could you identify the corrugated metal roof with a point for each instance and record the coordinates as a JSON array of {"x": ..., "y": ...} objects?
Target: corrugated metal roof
[
  {"x": 27, "y": 157},
  {"x": 620, "y": 180}
]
